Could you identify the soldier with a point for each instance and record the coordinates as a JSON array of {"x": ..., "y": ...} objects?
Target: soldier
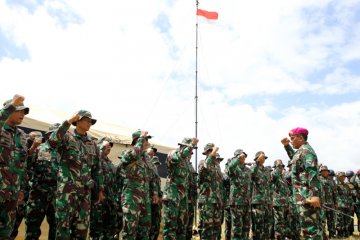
[
  {"x": 42, "y": 172},
  {"x": 33, "y": 141},
  {"x": 135, "y": 200},
  {"x": 240, "y": 194},
  {"x": 280, "y": 201},
  {"x": 13, "y": 153},
  {"x": 210, "y": 199},
  {"x": 120, "y": 178},
  {"x": 103, "y": 218},
  {"x": 349, "y": 174},
  {"x": 156, "y": 183},
  {"x": 307, "y": 187},
  {"x": 176, "y": 188},
  {"x": 259, "y": 198},
  {"x": 343, "y": 202},
  {"x": 79, "y": 172},
  {"x": 192, "y": 197},
  {"x": 356, "y": 181},
  {"x": 227, "y": 210},
  {"x": 269, "y": 209},
  {"x": 222, "y": 190},
  {"x": 329, "y": 190}
]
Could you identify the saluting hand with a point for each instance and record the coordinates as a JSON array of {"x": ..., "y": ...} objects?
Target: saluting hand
[
  {"x": 285, "y": 141},
  {"x": 17, "y": 100},
  {"x": 74, "y": 118}
]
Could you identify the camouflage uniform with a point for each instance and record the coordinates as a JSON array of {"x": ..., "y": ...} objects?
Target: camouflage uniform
[
  {"x": 42, "y": 175},
  {"x": 351, "y": 211},
  {"x": 306, "y": 184},
  {"x": 280, "y": 202},
  {"x": 155, "y": 207},
  {"x": 120, "y": 177},
  {"x": 239, "y": 198},
  {"x": 136, "y": 204},
  {"x": 103, "y": 217},
  {"x": 79, "y": 170},
  {"x": 269, "y": 209},
  {"x": 259, "y": 199},
  {"x": 329, "y": 190},
  {"x": 227, "y": 210},
  {"x": 209, "y": 198},
  {"x": 175, "y": 192},
  {"x": 220, "y": 176},
  {"x": 356, "y": 181},
  {"x": 13, "y": 153},
  {"x": 192, "y": 197}
]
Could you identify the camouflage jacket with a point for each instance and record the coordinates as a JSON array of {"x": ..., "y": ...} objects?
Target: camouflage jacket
[
  {"x": 356, "y": 181},
  {"x": 240, "y": 183},
  {"x": 343, "y": 197},
  {"x": 209, "y": 182},
  {"x": 281, "y": 191},
  {"x": 305, "y": 181},
  {"x": 260, "y": 185},
  {"x": 109, "y": 173},
  {"x": 13, "y": 154},
  {"x": 43, "y": 168},
  {"x": 329, "y": 190},
  {"x": 155, "y": 180},
  {"x": 79, "y": 165},
  {"x": 177, "y": 181},
  {"x": 192, "y": 190}
]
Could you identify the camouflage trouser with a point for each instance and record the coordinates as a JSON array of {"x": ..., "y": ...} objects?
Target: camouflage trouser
[
  {"x": 175, "y": 219},
  {"x": 281, "y": 217},
  {"x": 341, "y": 222},
  {"x": 72, "y": 214},
  {"x": 155, "y": 221},
  {"x": 136, "y": 219},
  {"x": 20, "y": 214},
  {"x": 350, "y": 221},
  {"x": 310, "y": 222},
  {"x": 294, "y": 223},
  {"x": 227, "y": 218},
  {"x": 103, "y": 220},
  {"x": 209, "y": 220},
  {"x": 269, "y": 221},
  {"x": 240, "y": 222},
  {"x": 190, "y": 223},
  {"x": 330, "y": 220},
  {"x": 39, "y": 205},
  {"x": 7, "y": 217},
  {"x": 357, "y": 212},
  {"x": 258, "y": 221}
]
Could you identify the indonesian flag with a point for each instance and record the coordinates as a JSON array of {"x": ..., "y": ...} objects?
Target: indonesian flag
[{"x": 207, "y": 14}]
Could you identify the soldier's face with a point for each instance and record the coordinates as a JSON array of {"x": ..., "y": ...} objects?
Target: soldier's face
[
  {"x": 16, "y": 118},
  {"x": 296, "y": 141},
  {"x": 84, "y": 124},
  {"x": 324, "y": 173}
]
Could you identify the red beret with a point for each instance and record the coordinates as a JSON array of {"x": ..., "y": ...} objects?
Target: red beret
[{"x": 298, "y": 130}]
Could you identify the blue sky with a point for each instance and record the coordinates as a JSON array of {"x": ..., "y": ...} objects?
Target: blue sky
[{"x": 261, "y": 71}]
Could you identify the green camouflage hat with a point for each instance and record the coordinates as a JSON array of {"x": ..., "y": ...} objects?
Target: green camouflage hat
[
  {"x": 18, "y": 107},
  {"x": 101, "y": 140},
  {"x": 85, "y": 113},
  {"x": 52, "y": 128},
  {"x": 238, "y": 152},
  {"x": 218, "y": 157},
  {"x": 135, "y": 135},
  {"x": 155, "y": 160},
  {"x": 324, "y": 168},
  {"x": 258, "y": 154},
  {"x": 340, "y": 174},
  {"x": 278, "y": 163},
  {"x": 186, "y": 142},
  {"x": 208, "y": 147}
]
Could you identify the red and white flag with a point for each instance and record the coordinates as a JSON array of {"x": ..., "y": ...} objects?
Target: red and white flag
[{"x": 207, "y": 14}]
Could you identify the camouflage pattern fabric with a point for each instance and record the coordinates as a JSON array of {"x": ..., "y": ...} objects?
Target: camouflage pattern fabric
[
  {"x": 343, "y": 202},
  {"x": 192, "y": 198},
  {"x": 155, "y": 207},
  {"x": 13, "y": 153},
  {"x": 329, "y": 189},
  {"x": 227, "y": 211},
  {"x": 79, "y": 170}
]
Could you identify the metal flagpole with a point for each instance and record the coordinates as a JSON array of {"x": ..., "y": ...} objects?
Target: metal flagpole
[{"x": 196, "y": 101}]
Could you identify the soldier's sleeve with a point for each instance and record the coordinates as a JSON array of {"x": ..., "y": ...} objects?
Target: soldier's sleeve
[
  {"x": 154, "y": 191},
  {"x": 209, "y": 160},
  {"x": 232, "y": 166},
  {"x": 312, "y": 173},
  {"x": 56, "y": 137},
  {"x": 134, "y": 154},
  {"x": 5, "y": 112},
  {"x": 290, "y": 151}
]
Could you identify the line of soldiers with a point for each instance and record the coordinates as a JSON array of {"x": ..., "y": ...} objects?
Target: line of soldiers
[{"x": 68, "y": 177}]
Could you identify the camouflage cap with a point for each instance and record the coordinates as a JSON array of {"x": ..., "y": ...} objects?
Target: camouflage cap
[
  {"x": 186, "y": 142},
  {"x": 269, "y": 168},
  {"x": 135, "y": 135},
  {"x": 257, "y": 155},
  {"x": 324, "y": 168},
  {"x": 218, "y": 157},
  {"x": 340, "y": 174},
  {"x": 18, "y": 107},
  {"x": 155, "y": 160},
  {"x": 52, "y": 128},
  {"x": 101, "y": 140},
  {"x": 278, "y": 163},
  {"x": 208, "y": 147},
  {"x": 85, "y": 113},
  {"x": 238, "y": 152}
]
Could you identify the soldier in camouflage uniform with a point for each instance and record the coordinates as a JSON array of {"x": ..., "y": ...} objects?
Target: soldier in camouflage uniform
[
  {"x": 135, "y": 198},
  {"x": 34, "y": 139},
  {"x": 329, "y": 190},
  {"x": 120, "y": 178},
  {"x": 343, "y": 202},
  {"x": 227, "y": 210},
  {"x": 156, "y": 182},
  {"x": 13, "y": 153},
  {"x": 103, "y": 217},
  {"x": 42, "y": 172},
  {"x": 210, "y": 198},
  {"x": 307, "y": 187},
  {"x": 192, "y": 198},
  {"x": 356, "y": 181},
  {"x": 349, "y": 174},
  {"x": 222, "y": 190},
  {"x": 280, "y": 201},
  {"x": 269, "y": 209},
  {"x": 79, "y": 171},
  {"x": 175, "y": 192},
  {"x": 240, "y": 194},
  {"x": 259, "y": 199}
]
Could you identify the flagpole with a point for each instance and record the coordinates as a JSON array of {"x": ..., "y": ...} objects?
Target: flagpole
[{"x": 196, "y": 102}]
